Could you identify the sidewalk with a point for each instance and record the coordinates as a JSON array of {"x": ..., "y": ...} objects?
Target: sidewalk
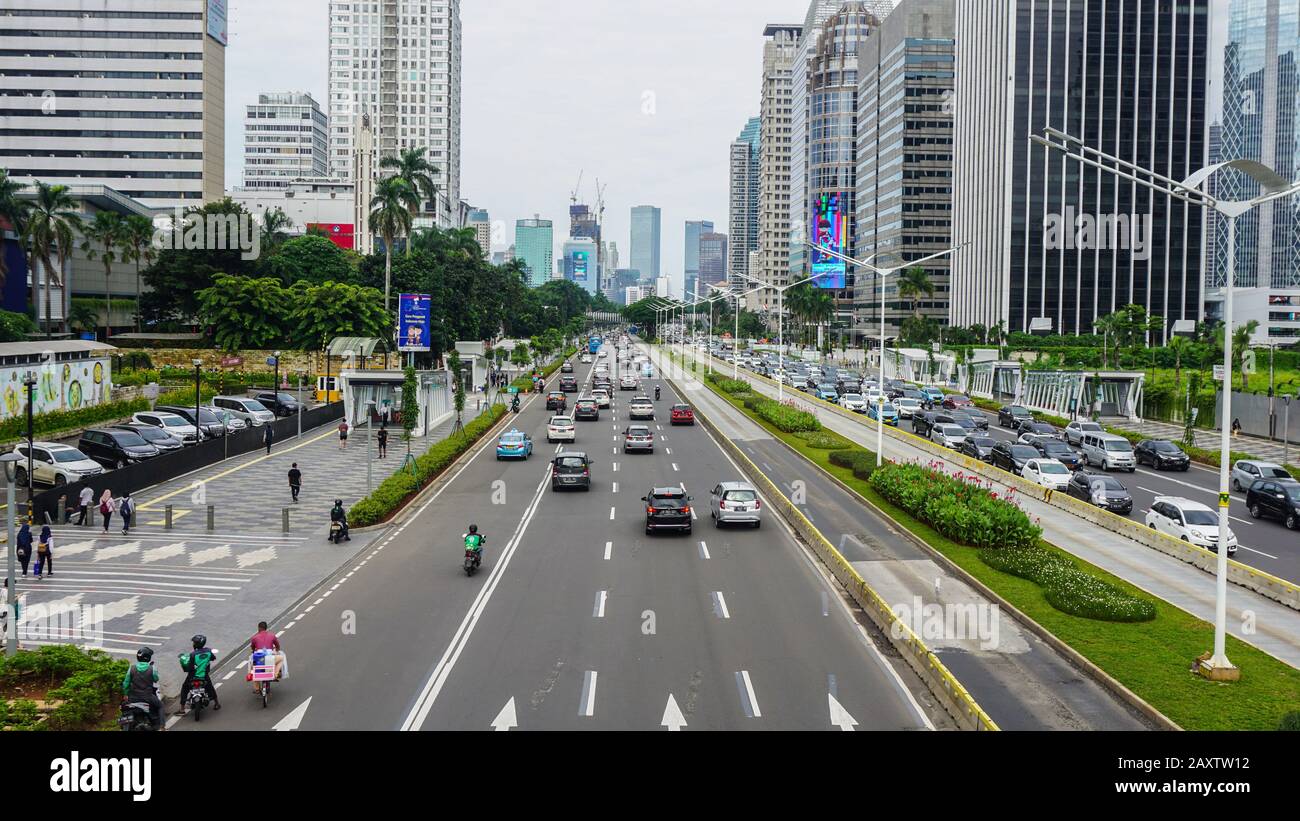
[{"x": 1210, "y": 439}]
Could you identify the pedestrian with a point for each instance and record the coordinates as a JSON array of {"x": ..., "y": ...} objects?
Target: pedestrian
[
  {"x": 45, "y": 553},
  {"x": 106, "y": 506},
  {"x": 86, "y": 499},
  {"x": 126, "y": 509},
  {"x": 24, "y": 550},
  {"x": 1236, "y": 427},
  {"x": 268, "y": 436},
  {"x": 295, "y": 481},
  {"x": 383, "y": 439},
  {"x": 343, "y": 434}
]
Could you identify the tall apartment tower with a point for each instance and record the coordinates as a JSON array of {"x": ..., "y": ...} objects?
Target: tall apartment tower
[
  {"x": 400, "y": 62},
  {"x": 646, "y": 237},
  {"x": 481, "y": 222},
  {"x": 743, "y": 202},
  {"x": 694, "y": 230},
  {"x": 286, "y": 137},
  {"x": 779, "y": 52},
  {"x": 128, "y": 94}
]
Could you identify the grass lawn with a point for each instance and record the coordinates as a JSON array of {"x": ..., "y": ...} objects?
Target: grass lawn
[{"x": 1153, "y": 659}]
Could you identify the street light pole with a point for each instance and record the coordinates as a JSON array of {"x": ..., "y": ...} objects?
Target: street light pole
[
  {"x": 29, "y": 382},
  {"x": 198, "y": 379},
  {"x": 11, "y": 600},
  {"x": 370, "y": 438}
]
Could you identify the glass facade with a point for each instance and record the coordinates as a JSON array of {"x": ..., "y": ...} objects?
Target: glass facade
[
  {"x": 646, "y": 236},
  {"x": 535, "y": 245}
]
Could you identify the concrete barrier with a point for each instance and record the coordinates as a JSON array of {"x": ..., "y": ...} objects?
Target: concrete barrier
[
  {"x": 1265, "y": 584},
  {"x": 937, "y": 677}
]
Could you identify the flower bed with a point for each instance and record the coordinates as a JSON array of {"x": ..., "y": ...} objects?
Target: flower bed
[
  {"x": 962, "y": 511},
  {"x": 785, "y": 418},
  {"x": 1067, "y": 588}
]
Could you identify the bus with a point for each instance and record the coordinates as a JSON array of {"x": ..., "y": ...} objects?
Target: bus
[{"x": 593, "y": 343}]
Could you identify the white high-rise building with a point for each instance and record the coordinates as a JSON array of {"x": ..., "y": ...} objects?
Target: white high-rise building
[
  {"x": 774, "y": 161},
  {"x": 286, "y": 138},
  {"x": 400, "y": 61},
  {"x": 128, "y": 94}
]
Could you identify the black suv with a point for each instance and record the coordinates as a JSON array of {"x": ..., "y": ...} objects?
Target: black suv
[
  {"x": 1100, "y": 490},
  {"x": 586, "y": 409},
  {"x": 1061, "y": 452},
  {"x": 667, "y": 508},
  {"x": 1011, "y": 456},
  {"x": 280, "y": 403},
  {"x": 1161, "y": 454},
  {"x": 1012, "y": 416},
  {"x": 153, "y": 435},
  {"x": 114, "y": 448},
  {"x": 569, "y": 384},
  {"x": 1276, "y": 499},
  {"x": 571, "y": 469},
  {"x": 923, "y": 423}
]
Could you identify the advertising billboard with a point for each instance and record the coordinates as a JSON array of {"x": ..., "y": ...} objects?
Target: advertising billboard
[
  {"x": 413, "y": 314},
  {"x": 579, "y": 265},
  {"x": 217, "y": 24},
  {"x": 340, "y": 233},
  {"x": 830, "y": 229}
]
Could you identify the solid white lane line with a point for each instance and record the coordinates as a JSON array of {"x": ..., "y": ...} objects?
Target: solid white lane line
[
  {"x": 674, "y": 467},
  {"x": 587, "y": 706},
  {"x": 720, "y": 605},
  {"x": 704, "y": 550},
  {"x": 616, "y": 487},
  {"x": 616, "y": 467},
  {"x": 748, "y": 700},
  {"x": 598, "y": 612},
  {"x": 609, "y": 548},
  {"x": 611, "y": 514}
]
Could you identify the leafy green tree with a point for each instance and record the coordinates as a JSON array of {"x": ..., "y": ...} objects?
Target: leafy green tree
[
  {"x": 913, "y": 284},
  {"x": 1240, "y": 344},
  {"x": 312, "y": 258},
  {"x": 105, "y": 239},
  {"x": 82, "y": 317},
  {"x": 275, "y": 229},
  {"x": 243, "y": 313},
  {"x": 453, "y": 363},
  {"x": 391, "y": 216},
  {"x": 521, "y": 355},
  {"x": 15, "y": 327},
  {"x": 175, "y": 279},
  {"x": 51, "y": 225},
  {"x": 320, "y": 313},
  {"x": 410, "y": 405},
  {"x": 13, "y": 209}
]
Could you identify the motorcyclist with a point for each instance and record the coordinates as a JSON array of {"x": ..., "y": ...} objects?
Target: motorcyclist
[
  {"x": 265, "y": 640},
  {"x": 656, "y": 393},
  {"x": 514, "y": 404},
  {"x": 198, "y": 667},
  {"x": 140, "y": 684},
  {"x": 338, "y": 514},
  {"x": 474, "y": 542}
]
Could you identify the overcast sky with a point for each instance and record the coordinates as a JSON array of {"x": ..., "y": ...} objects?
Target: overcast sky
[{"x": 645, "y": 95}]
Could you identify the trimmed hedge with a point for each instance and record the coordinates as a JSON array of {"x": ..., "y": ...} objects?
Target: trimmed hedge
[
  {"x": 825, "y": 440},
  {"x": 861, "y": 462},
  {"x": 525, "y": 383},
  {"x": 783, "y": 417},
  {"x": 92, "y": 680},
  {"x": 394, "y": 491},
  {"x": 1290, "y": 722},
  {"x": 16, "y": 427},
  {"x": 961, "y": 511},
  {"x": 1067, "y": 588}
]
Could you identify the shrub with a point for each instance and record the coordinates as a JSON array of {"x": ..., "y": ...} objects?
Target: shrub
[
  {"x": 960, "y": 511},
  {"x": 731, "y": 386},
  {"x": 849, "y": 458},
  {"x": 1067, "y": 588},
  {"x": 15, "y": 427},
  {"x": 1290, "y": 721},
  {"x": 825, "y": 440},
  {"x": 783, "y": 417}
]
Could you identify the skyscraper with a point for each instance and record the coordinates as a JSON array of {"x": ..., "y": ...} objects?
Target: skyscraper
[
  {"x": 140, "y": 108},
  {"x": 535, "y": 245},
  {"x": 579, "y": 263},
  {"x": 286, "y": 137},
  {"x": 481, "y": 222},
  {"x": 692, "y": 252},
  {"x": 1104, "y": 73},
  {"x": 645, "y": 253},
  {"x": 399, "y": 60},
  {"x": 774, "y": 160},
  {"x": 713, "y": 262},
  {"x": 743, "y": 200}
]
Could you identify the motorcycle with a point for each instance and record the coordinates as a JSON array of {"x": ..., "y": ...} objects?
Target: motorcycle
[
  {"x": 514, "y": 406},
  {"x": 196, "y": 699},
  {"x": 336, "y": 532},
  {"x": 472, "y": 560},
  {"x": 135, "y": 717},
  {"x": 656, "y": 394}
]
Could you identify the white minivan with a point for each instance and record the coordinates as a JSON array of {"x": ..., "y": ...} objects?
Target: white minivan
[
  {"x": 250, "y": 410},
  {"x": 1108, "y": 452}
]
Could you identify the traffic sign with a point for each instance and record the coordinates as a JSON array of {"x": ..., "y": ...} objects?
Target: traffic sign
[{"x": 1218, "y": 373}]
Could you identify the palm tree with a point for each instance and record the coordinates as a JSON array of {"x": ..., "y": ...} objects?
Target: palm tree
[
  {"x": 913, "y": 284},
  {"x": 105, "y": 239},
  {"x": 139, "y": 239},
  {"x": 391, "y": 218},
  {"x": 50, "y": 227},
  {"x": 13, "y": 209},
  {"x": 411, "y": 166},
  {"x": 1179, "y": 346},
  {"x": 275, "y": 226},
  {"x": 1107, "y": 326},
  {"x": 1240, "y": 344}
]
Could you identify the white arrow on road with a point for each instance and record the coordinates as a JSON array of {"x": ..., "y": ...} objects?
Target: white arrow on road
[
  {"x": 673, "y": 718},
  {"x": 839, "y": 716},
  {"x": 291, "y": 721},
  {"x": 505, "y": 719}
]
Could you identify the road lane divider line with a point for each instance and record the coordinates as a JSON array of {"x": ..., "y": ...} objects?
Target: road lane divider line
[
  {"x": 598, "y": 611},
  {"x": 720, "y": 605},
  {"x": 611, "y": 514},
  {"x": 748, "y": 701},
  {"x": 704, "y": 551},
  {"x": 587, "y": 704},
  {"x": 609, "y": 548}
]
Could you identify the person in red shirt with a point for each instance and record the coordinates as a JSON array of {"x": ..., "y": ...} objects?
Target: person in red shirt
[{"x": 264, "y": 639}]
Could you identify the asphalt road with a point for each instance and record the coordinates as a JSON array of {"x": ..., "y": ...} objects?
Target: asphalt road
[{"x": 578, "y": 620}]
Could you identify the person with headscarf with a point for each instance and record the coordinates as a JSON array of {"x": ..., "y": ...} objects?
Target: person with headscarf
[
  {"x": 45, "y": 553},
  {"x": 106, "y": 506},
  {"x": 24, "y": 550}
]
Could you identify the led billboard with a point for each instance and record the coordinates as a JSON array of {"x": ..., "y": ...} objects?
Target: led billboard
[{"x": 830, "y": 229}]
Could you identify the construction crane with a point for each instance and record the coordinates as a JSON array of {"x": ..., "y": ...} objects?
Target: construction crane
[
  {"x": 573, "y": 198},
  {"x": 600, "y": 202}
]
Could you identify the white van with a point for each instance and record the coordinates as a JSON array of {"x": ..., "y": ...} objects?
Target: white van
[
  {"x": 1108, "y": 452},
  {"x": 250, "y": 410}
]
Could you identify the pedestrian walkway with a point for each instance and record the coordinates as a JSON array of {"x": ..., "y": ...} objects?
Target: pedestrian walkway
[{"x": 1210, "y": 439}]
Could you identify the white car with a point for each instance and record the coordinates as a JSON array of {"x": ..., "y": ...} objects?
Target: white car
[
  {"x": 1190, "y": 521},
  {"x": 601, "y": 396},
  {"x": 950, "y": 436},
  {"x": 628, "y": 383},
  {"x": 170, "y": 423},
  {"x": 853, "y": 402},
  {"x": 641, "y": 408},
  {"x": 1075, "y": 431},
  {"x": 1035, "y": 438},
  {"x": 585, "y": 359},
  {"x": 1047, "y": 473},
  {"x": 603, "y": 353},
  {"x": 561, "y": 429},
  {"x": 55, "y": 464},
  {"x": 908, "y": 407}
]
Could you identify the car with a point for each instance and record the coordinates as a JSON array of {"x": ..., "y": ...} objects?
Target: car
[
  {"x": 1245, "y": 472},
  {"x": 250, "y": 410},
  {"x": 170, "y": 423},
  {"x": 1061, "y": 452},
  {"x": 585, "y": 409},
  {"x": 948, "y": 434},
  {"x": 54, "y": 464},
  {"x": 682, "y": 415},
  {"x": 1101, "y": 490},
  {"x": 1275, "y": 499},
  {"x": 1011, "y": 456},
  {"x": 514, "y": 444},
  {"x": 1033, "y": 439},
  {"x": 1039, "y": 429},
  {"x": 853, "y": 402},
  {"x": 1189, "y": 521},
  {"x": 585, "y": 359},
  {"x": 667, "y": 508},
  {"x": 567, "y": 367},
  {"x": 561, "y": 429},
  {"x": 827, "y": 392},
  {"x": 923, "y": 422},
  {"x": 638, "y": 437},
  {"x": 1161, "y": 454},
  {"x": 115, "y": 448},
  {"x": 280, "y": 403},
  {"x": 570, "y": 469},
  {"x": 981, "y": 421},
  {"x": 641, "y": 408},
  {"x": 886, "y": 411},
  {"x": 735, "y": 502},
  {"x": 907, "y": 406},
  {"x": 1011, "y": 416},
  {"x": 556, "y": 400},
  {"x": 956, "y": 401},
  {"x": 628, "y": 383},
  {"x": 155, "y": 436},
  {"x": 603, "y": 353},
  {"x": 977, "y": 447},
  {"x": 1108, "y": 451},
  {"x": 601, "y": 396},
  {"x": 209, "y": 422},
  {"x": 1047, "y": 473},
  {"x": 933, "y": 394},
  {"x": 227, "y": 419},
  {"x": 569, "y": 384},
  {"x": 872, "y": 394},
  {"x": 1075, "y": 431}
]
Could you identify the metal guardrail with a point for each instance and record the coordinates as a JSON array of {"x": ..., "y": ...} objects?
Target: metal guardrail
[
  {"x": 956, "y": 699},
  {"x": 1272, "y": 587}
]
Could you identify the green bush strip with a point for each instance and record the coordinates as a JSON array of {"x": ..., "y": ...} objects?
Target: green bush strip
[
  {"x": 15, "y": 428},
  {"x": 396, "y": 490},
  {"x": 92, "y": 679},
  {"x": 525, "y": 383},
  {"x": 1151, "y": 658}
]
